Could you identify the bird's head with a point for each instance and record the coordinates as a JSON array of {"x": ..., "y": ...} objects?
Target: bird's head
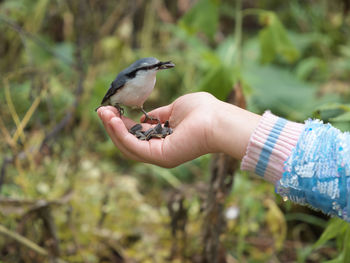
[{"x": 151, "y": 64}]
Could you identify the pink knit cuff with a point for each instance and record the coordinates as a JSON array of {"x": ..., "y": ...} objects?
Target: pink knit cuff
[{"x": 270, "y": 145}]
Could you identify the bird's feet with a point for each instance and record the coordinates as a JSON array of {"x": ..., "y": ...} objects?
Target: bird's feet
[
  {"x": 149, "y": 118},
  {"x": 120, "y": 110}
]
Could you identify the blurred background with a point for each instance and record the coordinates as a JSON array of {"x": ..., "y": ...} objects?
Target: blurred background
[{"x": 66, "y": 192}]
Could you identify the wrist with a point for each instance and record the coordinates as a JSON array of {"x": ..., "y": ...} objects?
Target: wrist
[{"x": 232, "y": 129}]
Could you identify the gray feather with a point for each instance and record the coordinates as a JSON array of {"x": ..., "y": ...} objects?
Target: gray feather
[{"x": 129, "y": 72}]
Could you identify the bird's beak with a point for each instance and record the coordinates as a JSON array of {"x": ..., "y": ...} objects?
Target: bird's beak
[{"x": 166, "y": 65}]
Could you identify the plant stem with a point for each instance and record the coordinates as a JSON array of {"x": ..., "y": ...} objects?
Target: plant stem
[
  {"x": 27, "y": 243},
  {"x": 238, "y": 31}
]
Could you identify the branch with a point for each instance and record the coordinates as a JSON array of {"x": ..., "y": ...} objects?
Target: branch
[
  {"x": 27, "y": 243},
  {"x": 37, "y": 203},
  {"x": 23, "y": 240}
]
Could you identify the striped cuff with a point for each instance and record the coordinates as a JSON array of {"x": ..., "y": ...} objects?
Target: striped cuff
[{"x": 270, "y": 145}]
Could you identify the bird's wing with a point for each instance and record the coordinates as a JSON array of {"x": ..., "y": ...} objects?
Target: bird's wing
[{"x": 115, "y": 85}]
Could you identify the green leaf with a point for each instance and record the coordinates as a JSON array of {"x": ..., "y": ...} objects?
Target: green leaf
[
  {"x": 65, "y": 50},
  {"x": 219, "y": 82},
  {"x": 346, "y": 249},
  {"x": 203, "y": 17},
  {"x": 267, "y": 46},
  {"x": 282, "y": 92},
  {"x": 227, "y": 51},
  {"x": 335, "y": 227},
  {"x": 274, "y": 40},
  {"x": 308, "y": 65},
  {"x": 345, "y": 51},
  {"x": 334, "y": 106},
  {"x": 339, "y": 259},
  {"x": 100, "y": 86},
  {"x": 344, "y": 256},
  {"x": 342, "y": 117}
]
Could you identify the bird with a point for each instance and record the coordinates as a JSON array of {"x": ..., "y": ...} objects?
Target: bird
[{"x": 133, "y": 85}]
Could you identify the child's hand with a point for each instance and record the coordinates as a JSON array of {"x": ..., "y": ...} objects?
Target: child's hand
[
  {"x": 201, "y": 124},
  {"x": 190, "y": 117}
]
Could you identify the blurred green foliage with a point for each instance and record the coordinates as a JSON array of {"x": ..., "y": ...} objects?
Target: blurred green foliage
[{"x": 57, "y": 61}]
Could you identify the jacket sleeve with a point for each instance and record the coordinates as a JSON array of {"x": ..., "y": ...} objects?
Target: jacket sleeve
[{"x": 308, "y": 163}]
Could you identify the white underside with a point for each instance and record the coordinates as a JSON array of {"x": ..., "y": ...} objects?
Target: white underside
[{"x": 136, "y": 91}]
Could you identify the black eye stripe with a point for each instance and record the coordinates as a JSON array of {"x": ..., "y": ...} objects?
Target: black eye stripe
[{"x": 132, "y": 74}]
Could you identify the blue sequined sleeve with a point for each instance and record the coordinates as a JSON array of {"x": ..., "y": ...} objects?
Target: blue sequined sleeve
[{"x": 317, "y": 173}]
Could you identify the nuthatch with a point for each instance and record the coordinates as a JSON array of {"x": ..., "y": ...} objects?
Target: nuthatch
[{"x": 134, "y": 84}]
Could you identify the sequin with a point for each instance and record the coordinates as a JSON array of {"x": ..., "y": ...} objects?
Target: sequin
[{"x": 318, "y": 169}]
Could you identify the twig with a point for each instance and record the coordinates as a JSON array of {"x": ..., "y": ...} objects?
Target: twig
[
  {"x": 80, "y": 88},
  {"x": 40, "y": 209},
  {"x": 49, "y": 230},
  {"x": 5, "y": 162},
  {"x": 23, "y": 240},
  {"x": 17, "y": 121},
  {"x": 27, "y": 243},
  {"x": 11, "y": 107},
  {"x": 39, "y": 203},
  {"x": 118, "y": 15},
  {"x": 6, "y": 134},
  {"x": 178, "y": 213},
  {"x": 10, "y": 141},
  {"x": 27, "y": 116}
]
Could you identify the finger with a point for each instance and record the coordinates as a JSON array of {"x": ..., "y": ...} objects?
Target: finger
[
  {"x": 106, "y": 115},
  {"x": 124, "y": 140},
  {"x": 110, "y": 108},
  {"x": 108, "y": 112},
  {"x": 123, "y": 148},
  {"x": 111, "y": 112},
  {"x": 162, "y": 113}
]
